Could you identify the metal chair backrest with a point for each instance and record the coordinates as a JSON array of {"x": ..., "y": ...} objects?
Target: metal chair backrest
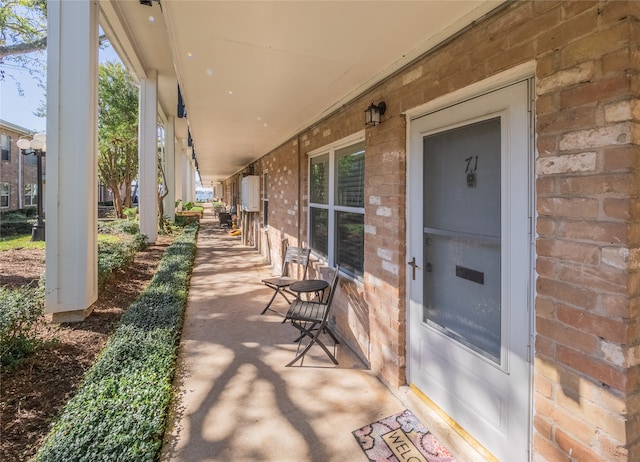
[
  {"x": 296, "y": 256},
  {"x": 333, "y": 286}
]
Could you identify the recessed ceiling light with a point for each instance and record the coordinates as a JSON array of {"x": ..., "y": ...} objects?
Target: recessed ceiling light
[
  {"x": 230, "y": 92},
  {"x": 190, "y": 55},
  {"x": 209, "y": 72},
  {"x": 152, "y": 19},
  {"x": 258, "y": 118},
  {"x": 265, "y": 124}
]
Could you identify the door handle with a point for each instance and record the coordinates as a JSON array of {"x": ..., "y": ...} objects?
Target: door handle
[{"x": 413, "y": 265}]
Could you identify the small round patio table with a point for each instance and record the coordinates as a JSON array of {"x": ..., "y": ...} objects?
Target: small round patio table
[{"x": 317, "y": 286}]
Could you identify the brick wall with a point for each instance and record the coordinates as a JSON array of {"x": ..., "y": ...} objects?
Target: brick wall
[
  {"x": 587, "y": 122},
  {"x": 10, "y": 170}
]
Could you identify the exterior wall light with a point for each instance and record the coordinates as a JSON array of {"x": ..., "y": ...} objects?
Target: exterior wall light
[{"x": 373, "y": 113}]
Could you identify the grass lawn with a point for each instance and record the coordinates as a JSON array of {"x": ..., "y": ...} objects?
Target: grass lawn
[
  {"x": 24, "y": 241},
  {"x": 20, "y": 241}
]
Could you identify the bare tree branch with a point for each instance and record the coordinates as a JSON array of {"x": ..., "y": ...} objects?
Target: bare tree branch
[{"x": 23, "y": 48}]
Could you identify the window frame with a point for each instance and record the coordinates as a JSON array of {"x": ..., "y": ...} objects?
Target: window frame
[
  {"x": 33, "y": 197},
  {"x": 4, "y": 185},
  {"x": 5, "y": 146},
  {"x": 331, "y": 207},
  {"x": 265, "y": 198}
]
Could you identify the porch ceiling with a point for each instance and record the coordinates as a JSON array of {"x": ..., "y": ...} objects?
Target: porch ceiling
[{"x": 253, "y": 74}]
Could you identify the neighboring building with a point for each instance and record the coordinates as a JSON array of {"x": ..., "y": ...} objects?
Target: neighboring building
[{"x": 18, "y": 177}]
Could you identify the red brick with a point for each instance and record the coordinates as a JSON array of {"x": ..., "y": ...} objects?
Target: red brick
[
  {"x": 577, "y": 296},
  {"x": 596, "y": 370},
  {"x": 621, "y": 158},
  {"x": 616, "y": 306},
  {"x": 568, "y": 207},
  {"x": 545, "y": 348},
  {"x": 578, "y": 451},
  {"x": 548, "y": 450},
  {"x": 545, "y": 308},
  {"x": 572, "y": 9},
  {"x": 567, "y": 31},
  {"x": 613, "y": 451},
  {"x": 569, "y": 251},
  {"x": 566, "y": 335},
  {"x": 595, "y": 92},
  {"x": 599, "y": 279},
  {"x": 545, "y": 227},
  {"x": 615, "y": 12},
  {"x": 595, "y": 231},
  {"x": 595, "y": 45},
  {"x": 568, "y": 119},
  {"x": 546, "y": 186},
  {"x": 589, "y": 186},
  {"x": 606, "y": 328},
  {"x": 542, "y": 426},
  {"x": 617, "y": 208},
  {"x": 546, "y": 267},
  {"x": 578, "y": 429},
  {"x": 547, "y": 144}
]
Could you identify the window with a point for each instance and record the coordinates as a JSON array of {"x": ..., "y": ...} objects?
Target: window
[
  {"x": 265, "y": 199},
  {"x": 5, "y": 189},
  {"x": 336, "y": 205},
  {"x": 30, "y": 194},
  {"x": 5, "y": 145}
]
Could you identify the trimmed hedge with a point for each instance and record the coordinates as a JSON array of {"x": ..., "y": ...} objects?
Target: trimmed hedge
[{"x": 120, "y": 411}]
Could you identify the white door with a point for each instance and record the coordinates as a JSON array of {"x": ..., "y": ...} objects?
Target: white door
[{"x": 469, "y": 285}]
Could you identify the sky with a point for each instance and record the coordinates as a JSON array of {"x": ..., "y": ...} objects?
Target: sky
[{"x": 19, "y": 110}]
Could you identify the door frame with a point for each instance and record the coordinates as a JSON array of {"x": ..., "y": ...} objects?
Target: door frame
[{"x": 525, "y": 71}]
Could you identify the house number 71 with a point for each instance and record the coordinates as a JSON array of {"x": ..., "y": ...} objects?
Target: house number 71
[{"x": 471, "y": 171}]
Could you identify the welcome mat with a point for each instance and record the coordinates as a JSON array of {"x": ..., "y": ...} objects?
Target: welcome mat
[{"x": 400, "y": 438}]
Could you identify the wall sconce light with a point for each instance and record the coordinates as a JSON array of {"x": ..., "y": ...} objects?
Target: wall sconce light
[{"x": 373, "y": 113}]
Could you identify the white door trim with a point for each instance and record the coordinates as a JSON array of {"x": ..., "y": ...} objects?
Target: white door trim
[{"x": 523, "y": 72}]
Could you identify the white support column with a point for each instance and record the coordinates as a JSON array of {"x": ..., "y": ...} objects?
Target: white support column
[
  {"x": 192, "y": 180},
  {"x": 72, "y": 153},
  {"x": 179, "y": 156},
  {"x": 185, "y": 175},
  {"x": 170, "y": 172},
  {"x": 148, "y": 156}
]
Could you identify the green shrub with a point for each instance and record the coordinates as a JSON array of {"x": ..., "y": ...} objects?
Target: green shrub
[
  {"x": 118, "y": 227},
  {"x": 21, "y": 311},
  {"x": 130, "y": 212},
  {"x": 119, "y": 413},
  {"x": 113, "y": 255},
  {"x": 187, "y": 206}
]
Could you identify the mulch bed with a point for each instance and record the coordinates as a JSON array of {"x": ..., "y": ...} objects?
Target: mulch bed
[{"x": 32, "y": 395}]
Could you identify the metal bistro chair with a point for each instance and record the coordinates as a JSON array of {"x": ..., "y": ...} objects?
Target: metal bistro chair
[
  {"x": 280, "y": 284},
  {"x": 311, "y": 318}
]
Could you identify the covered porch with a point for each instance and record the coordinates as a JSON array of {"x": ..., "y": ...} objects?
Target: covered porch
[{"x": 235, "y": 398}]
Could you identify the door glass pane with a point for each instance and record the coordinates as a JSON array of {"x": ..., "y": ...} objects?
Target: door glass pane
[{"x": 462, "y": 280}]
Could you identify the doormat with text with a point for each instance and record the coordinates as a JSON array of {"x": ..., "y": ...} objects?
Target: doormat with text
[{"x": 400, "y": 438}]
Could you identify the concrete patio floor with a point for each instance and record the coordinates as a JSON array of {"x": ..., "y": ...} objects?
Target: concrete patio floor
[{"x": 237, "y": 401}]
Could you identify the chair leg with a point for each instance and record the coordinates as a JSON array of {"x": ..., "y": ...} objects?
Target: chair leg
[
  {"x": 314, "y": 339},
  {"x": 273, "y": 297}
]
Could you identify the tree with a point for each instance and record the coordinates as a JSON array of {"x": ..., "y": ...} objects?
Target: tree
[
  {"x": 117, "y": 133},
  {"x": 23, "y": 38}
]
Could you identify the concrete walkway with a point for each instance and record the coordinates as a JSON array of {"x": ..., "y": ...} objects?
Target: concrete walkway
[{"x": 236, "y": 400}]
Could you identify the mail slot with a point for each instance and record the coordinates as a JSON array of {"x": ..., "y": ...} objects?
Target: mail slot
[{"x": 469, "y": 274}]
